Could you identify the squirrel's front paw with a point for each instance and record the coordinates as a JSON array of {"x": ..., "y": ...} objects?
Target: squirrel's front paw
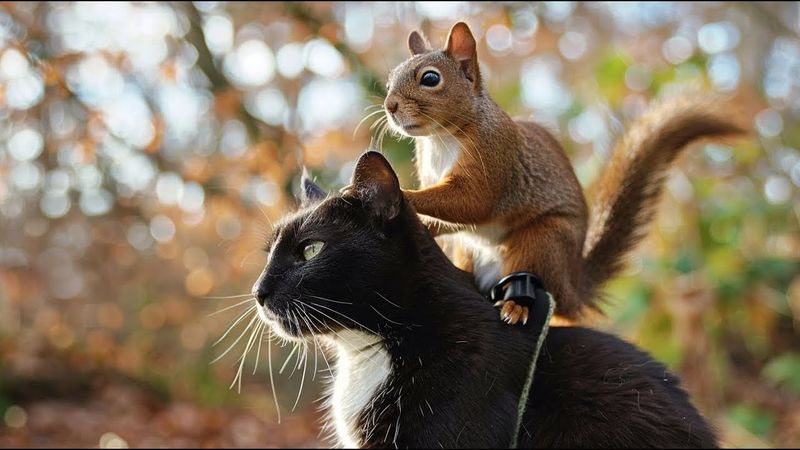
[{"x": 512, "y": 313}]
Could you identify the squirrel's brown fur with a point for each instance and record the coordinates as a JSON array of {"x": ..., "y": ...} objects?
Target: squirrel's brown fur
[{"x": 508, "y": 187}]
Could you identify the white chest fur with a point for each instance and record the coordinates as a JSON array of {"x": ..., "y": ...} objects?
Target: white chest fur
[
  {"x": 360, "y": 372},
  {"x": 484, "y": 242},
  {"x": 436, "y": 157}
]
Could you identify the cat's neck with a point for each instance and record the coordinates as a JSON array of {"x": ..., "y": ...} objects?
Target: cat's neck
[{"x": 428, "y": 371}]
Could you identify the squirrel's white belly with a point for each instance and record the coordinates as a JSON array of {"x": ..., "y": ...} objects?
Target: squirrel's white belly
[
  {"x": 436, "y": 157},
  {"x": 484, "y": 243}
]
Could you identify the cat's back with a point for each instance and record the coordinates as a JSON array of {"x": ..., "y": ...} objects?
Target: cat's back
[{"x": 588, "y": 382}]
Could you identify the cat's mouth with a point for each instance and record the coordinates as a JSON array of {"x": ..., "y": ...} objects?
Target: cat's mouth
[{"x": 282, "y": 326}]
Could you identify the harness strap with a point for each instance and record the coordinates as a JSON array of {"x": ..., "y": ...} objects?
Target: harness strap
[
  {"x": 526, "y": 286},
  {"x": 526, "y": 388}
]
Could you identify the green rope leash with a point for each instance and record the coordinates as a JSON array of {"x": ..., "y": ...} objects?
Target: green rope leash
[{"x": 526, "y": 388}]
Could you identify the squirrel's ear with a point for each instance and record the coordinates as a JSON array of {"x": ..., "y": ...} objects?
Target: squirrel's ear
[
  {"x": 461, "y": 46},
  {"x": 417, "y": 44},
  {"x": 311, "y": 193},
  {"x": 376, "y": 185}
]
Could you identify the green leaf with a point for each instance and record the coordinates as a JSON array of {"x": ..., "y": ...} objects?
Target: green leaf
[
  {"x": 633, "y": 304},
  {"x": 610, "y": 76},
  {"x": 784, "y": 371},
  {"x": 755, "y": 420}
]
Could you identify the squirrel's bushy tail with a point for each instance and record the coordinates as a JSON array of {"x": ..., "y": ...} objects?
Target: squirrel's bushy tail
[{"x": 631, "y": 183}]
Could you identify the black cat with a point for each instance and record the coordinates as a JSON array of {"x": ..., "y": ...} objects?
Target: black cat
[{"x": 423, "y": 360}]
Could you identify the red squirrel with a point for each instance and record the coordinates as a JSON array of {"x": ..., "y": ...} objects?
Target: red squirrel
[{"x": 508, "y": 188}]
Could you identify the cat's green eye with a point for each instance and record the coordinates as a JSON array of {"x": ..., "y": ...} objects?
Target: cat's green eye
[{"x": 312, "y": 249}]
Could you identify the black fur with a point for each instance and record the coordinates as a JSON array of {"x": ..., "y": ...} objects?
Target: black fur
[{"x": 457, "y": 371}]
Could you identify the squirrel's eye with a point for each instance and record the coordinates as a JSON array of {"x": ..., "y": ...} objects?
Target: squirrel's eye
[
  {"x": 430, "y": 79},
  {"x": 312, "y": 249}
]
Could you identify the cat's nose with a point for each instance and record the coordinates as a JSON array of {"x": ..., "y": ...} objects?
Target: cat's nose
[
  {"x": 260, "y": 293},
  {"x": 391, "y": 105}
]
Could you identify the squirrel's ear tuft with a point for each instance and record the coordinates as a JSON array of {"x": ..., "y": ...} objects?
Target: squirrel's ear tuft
[
  {"x": 376, "y": 185},
  {"x": 417, "y": 44},
  {"x": 461, "y": 46},
  {"x": 310, "y": 193}
]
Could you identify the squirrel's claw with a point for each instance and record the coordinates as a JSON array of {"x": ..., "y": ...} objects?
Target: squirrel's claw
[{"x": 512, "y": 313}]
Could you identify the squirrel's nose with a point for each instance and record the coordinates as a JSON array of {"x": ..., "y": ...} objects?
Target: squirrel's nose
[{"x": 391, "y": 105}]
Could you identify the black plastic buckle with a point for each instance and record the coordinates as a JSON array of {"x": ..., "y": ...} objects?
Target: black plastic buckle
[{"x": 517, "y": 286}]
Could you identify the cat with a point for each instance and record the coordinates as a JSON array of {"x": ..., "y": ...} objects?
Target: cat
[{"x": 422, "y": 360}]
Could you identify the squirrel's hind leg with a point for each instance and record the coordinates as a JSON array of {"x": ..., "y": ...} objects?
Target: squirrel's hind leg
[{"x": 550, "y": 249}]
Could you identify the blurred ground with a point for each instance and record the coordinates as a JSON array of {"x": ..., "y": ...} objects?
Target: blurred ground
[{"x": 57, "y": 402}]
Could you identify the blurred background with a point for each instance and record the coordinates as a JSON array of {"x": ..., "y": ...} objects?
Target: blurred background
[{"x": 145, "y": 149}]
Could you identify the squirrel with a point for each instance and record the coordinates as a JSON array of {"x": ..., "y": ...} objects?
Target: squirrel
[{"x": 508, "y": 188}]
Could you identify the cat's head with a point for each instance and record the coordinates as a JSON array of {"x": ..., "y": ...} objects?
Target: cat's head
[
  {"x": 435, "y": 89},
  {"x": 339, "y": 262}
]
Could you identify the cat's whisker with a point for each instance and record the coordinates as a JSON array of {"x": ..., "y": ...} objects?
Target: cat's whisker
[
  {"x": 386, "y": 318},
  {"x": 231, "y": 306},
  {"x": 225, "y": 297},
  {"x": 250, "y": 324},
  {"x": 303, "y": 378},
  {"x": 302, "y": 314},
  {"x": 335, "y": 333},
  {"x": 316, "y": 350},
  {"x": 271, "y": 378},
  {"x": 311, "y": 321},
  {"x": 238, "y": 378},
  {"x": 329, "y": 317},
  {"x": 258, "y": 352},
  {"x": 250, "y": 341},
  {"x": 235, "y": 322},
  {"x": 329, "y": 300},
  {"x": 294, "y": 349},
  {"x": 345, "y": 316},
  {"x": 299, "y": 356},
  {"x": 389, "y": 301}
]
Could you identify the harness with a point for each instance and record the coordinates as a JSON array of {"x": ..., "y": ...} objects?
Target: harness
[{"x": 527, "y": 286}]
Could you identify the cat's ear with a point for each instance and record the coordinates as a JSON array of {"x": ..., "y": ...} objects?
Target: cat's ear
[
  {"x": 376, "y": 184},
  {"x": 461, "y": 47},
  {"x": 310, "y": 193},
  {"x": 417, "y": 44}
]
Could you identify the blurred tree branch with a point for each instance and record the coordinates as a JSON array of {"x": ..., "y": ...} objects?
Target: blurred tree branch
[
  {"x": 763, "y": 14},
  {"x": 369, "y": 79},
  {"x": 205, "y": 61}
]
